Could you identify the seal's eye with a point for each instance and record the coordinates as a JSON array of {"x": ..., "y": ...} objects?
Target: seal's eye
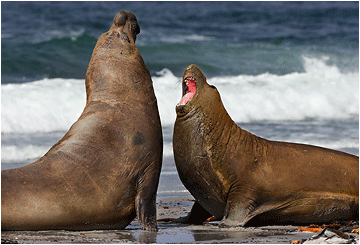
[{"x": 212, "y": 86}]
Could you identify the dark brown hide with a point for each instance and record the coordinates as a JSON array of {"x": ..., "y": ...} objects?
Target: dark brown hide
[
  {"x": 246, "y": 180},
  {"x": 105, "y": 170}
]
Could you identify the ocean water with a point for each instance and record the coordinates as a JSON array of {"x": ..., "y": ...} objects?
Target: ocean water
[{"x": 285, "y": 70}]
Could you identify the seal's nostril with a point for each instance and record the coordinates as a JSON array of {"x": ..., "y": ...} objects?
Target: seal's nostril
[{"x": 120, "y": 18}]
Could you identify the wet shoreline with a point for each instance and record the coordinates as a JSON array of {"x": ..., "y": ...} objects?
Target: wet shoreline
[
  {"x": 169, "y": 232},
  {"x": 173, "y": 201}
]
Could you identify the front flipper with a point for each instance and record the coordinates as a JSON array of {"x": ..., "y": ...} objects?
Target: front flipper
[
  {"x": 145, "y": 200},
  {"x": 197, "y": 215},
  {"x": 146, "y": 211}
]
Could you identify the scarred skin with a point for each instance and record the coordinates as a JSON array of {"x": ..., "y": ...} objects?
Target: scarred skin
[
  {"x": 105, "y": 170},
  {"x": 247, "y": 180}
]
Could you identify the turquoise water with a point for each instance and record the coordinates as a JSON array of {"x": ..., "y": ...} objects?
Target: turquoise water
[{"x": 55, "y": 39}]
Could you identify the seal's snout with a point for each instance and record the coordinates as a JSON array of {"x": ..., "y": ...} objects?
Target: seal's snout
[
  {"x": 192, "y": 75},
  {"x": 192, "y": 68},
  {"x": 193, "y": 81},
  {"x": 120, "y": 18},
  {"x": 123, "y": 16},
  {"x": 195, "y": 71}
]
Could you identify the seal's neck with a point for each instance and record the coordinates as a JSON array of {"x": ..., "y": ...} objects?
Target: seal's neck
[
  {"x": 223, "y": 136},
  {"x": 114, "y": 76},
  {"x": 216, "y": 121}
]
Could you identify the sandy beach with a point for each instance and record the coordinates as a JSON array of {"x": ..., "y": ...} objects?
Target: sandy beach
[
  {"x": 169, "y": 232},
  {"x": 173, "y": 201}
]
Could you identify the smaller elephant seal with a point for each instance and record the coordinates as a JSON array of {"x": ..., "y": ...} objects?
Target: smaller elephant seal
[
  {"x": 249, "y": 181},
  {"x": 105, "y": 170}
]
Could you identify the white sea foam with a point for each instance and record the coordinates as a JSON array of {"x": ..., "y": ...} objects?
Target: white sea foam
[
  {"x": 41, "y": 106},
  {"x": 49, "y": 35},
  {"x": 321, "y": 92},
  {"x": 168, "y": 149},
  {"x": 13, "y": 153},
  {"x": 183, "y": 39}
]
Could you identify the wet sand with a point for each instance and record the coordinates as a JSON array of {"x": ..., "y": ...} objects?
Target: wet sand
[
  {"x": 173, "y": 201},
  {"x": 169, "y": 232}
]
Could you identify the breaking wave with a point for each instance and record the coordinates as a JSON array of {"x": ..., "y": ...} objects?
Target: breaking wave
[{"x": 322, "y": 92}]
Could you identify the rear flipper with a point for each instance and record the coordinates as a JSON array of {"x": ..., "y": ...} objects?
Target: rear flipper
[
  {"x": 302, "y": 208},
  {"x": 238, "y": 213},
  {"x": 197, "y": 215}
]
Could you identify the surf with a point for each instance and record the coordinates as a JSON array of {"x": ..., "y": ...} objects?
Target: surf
[{"x": 321, "y": 92}]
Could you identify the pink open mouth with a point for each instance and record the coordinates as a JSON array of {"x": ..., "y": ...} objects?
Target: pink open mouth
[{"x": 189, "y": 90}]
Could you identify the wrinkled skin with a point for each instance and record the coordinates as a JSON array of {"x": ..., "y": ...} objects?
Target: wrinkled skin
[
  {"x": 246, "y": 180},
  {"x": 105, "y": 170}
]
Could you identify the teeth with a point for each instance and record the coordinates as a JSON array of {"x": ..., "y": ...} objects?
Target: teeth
[{"x": 189, "y": 79}]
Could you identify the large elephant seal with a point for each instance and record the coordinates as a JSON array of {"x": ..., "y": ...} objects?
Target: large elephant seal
[
  {"x": 105, "y": 170},
  {"x": 246, "y": 180}
]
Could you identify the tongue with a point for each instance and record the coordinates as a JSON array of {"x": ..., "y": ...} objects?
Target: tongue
[
  {"x": 189, "y": 93},
  {"x": 186, "y": 98}
]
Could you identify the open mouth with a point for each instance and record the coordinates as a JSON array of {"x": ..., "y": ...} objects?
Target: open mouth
[{"x": 189, "y": 89}]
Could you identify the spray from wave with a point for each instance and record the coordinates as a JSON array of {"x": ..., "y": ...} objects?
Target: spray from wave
[{"x": 322, "y": 92}]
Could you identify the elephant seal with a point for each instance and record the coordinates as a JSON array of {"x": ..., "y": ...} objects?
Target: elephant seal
[
  {"x": 105, "y": 170},
  {"x": 246, "y": 180}
]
